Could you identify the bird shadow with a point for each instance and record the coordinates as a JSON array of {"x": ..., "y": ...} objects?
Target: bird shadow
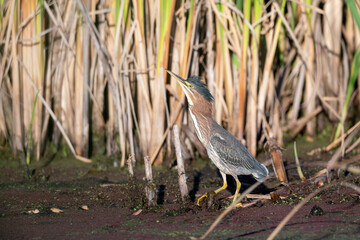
[
  {"x": 193, "y": 192},
  {"x": 246, "y": 182},
  {"x": 161, "y": 195}
]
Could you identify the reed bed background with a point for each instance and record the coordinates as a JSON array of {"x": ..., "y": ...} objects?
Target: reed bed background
[{"x": 97, "y": 70}]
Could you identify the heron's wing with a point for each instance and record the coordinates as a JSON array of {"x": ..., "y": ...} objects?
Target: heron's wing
[{"x": 234, "y": 153}]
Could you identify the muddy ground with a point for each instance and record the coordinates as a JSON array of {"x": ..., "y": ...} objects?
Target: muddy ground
[{"x": 113, "y": 198}]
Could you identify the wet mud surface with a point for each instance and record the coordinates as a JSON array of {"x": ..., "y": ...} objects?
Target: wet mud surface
[{"x": 117, "y": 206}]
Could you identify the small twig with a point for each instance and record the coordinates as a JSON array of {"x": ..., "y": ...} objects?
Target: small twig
[
  {"x": 180, "y": 165},
  {"x": 110, "y": 185},
  {"x": 298, "y": 167},
  {"x": 253, "y": 203},
  {"x": 318, "y": 174},
  {"x": 257, "y": 196}
]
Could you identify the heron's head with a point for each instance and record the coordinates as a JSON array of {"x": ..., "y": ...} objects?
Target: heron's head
[{"x": 193, "y": 88}]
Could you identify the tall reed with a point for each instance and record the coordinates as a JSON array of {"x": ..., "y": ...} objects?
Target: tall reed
[{"x": 272, "y": 67}]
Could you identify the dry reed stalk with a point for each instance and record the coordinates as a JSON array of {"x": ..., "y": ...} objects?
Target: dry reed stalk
[
  {"x": 17, "y": 132},
  {"x": 110, "y": 41},
  {"x": 210, "y": 53},
  {"x": 38, "y": 50},
  {"x": 7, "y": 20},
  {"x": 78, "y": 90},
  {"x": 180, "y": 165},
  {"x": 251, "y": 133},
  {"x": 243, "y": 71},
  {"x": 264, "y": 86},
  {"x": 309, "y": 94},
  {"x": 122, "y": 120},
  {"x": 226, "y": 61},
  {"x": 176, "y": 100},
  {"x": 185, "y": 37},
  {"x": 129, "y": 115},
  {"x": 157, "y": 86},
  {"x": 219, "y": 81},
  {"x": 144, "y": 105},
  {"x": 86, "y": 82},
  {"x": 26, "y": 53},
  {"x": 309, "y": 91},
  {"x": 3, "y": 126},
  {"x": 332, "y": 40}
]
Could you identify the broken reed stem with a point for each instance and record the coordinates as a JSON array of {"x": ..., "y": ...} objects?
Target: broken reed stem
[
  {"x": 277, "y": 161},
  {"x": 303, "y": 202},
  {"x": 180, "y": 165},
  {"x": 149, "y": 186},
  {"x": 298, "y": 167}
]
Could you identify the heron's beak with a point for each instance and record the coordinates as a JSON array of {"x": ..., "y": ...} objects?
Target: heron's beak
[{"x": 180, "y": 79}]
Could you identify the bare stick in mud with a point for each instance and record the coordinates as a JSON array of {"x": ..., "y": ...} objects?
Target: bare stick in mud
[
  {"x": 180, "y": 165},
  {"x": 149, "y": 187},
  {"x": 130, "y": 163}
]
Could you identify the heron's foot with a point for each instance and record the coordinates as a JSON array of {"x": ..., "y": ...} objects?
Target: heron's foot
[
  {"x": 208, "y": 201},
  {"x": 201, "y": 198}
]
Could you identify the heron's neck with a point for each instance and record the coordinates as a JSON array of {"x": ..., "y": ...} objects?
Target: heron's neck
[{"x": 201, "y": 115}]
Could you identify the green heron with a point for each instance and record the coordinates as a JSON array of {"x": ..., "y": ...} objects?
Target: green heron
[{"x": 228, "y": 154}]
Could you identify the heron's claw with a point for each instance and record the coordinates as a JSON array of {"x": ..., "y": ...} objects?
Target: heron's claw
[{"x": 201, "y": 198}]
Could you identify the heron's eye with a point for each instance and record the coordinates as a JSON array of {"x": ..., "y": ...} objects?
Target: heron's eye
[{"x": 190, "y": 85}]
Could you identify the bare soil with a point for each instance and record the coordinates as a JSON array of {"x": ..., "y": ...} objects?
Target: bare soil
[{"x": 113, "y": 198}]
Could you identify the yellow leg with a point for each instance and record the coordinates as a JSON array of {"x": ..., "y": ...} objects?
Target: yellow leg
[
  {"x": 238, "y": 186},
  {"x": 224, "y": 186}
]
